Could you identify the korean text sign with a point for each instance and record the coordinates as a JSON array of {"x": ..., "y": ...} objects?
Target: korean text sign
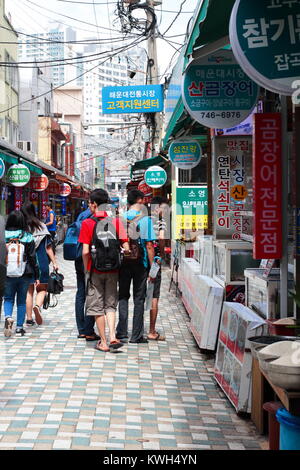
[
  {"x": 265, "y": 39},
  {"x": 132, "y": 99},
  {"x": 192, "y": 209},
  {"x": 267, "y": 186},
  {"x": 185, "y": 154},
  {"x": 216, "y": 92}
]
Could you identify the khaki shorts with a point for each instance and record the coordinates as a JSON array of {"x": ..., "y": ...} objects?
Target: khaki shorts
[{"x": 102, "y": 294}]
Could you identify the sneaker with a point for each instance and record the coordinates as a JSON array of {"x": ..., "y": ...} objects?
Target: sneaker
[
  {"x": 20, "y": 332},
  {"x": 37, "y": 312},
  {"x": 8, "y": 326},
  {"x": 30, "y": 322}
]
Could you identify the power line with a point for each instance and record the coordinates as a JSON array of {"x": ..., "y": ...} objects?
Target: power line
[{"x": 178, "y": 13}]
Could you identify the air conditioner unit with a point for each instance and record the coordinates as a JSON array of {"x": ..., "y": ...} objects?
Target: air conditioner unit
[{"x": 24, "y": 145}]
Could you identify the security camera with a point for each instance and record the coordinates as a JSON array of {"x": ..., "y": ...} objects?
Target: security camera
[{"x": 131, "y": 73}]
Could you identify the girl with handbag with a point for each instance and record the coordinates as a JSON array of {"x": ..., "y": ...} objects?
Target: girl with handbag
[{"x": 44, "y": 251}]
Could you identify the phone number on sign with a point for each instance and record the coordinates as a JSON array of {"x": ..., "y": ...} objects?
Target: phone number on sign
[{"x": 223, "y": 115}]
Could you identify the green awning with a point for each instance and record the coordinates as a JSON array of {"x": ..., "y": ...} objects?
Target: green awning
[
  {"x": 211, "y": 23},
  {"x": 144, "y": 164},
  {"x": 15, "y": 160}
]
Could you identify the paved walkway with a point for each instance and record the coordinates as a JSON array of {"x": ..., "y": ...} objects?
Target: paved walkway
[{"x": 58, "y": 392}]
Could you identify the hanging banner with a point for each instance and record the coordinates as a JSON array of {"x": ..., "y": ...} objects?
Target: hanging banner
[
  {"x": 185, "y": 153},
  {"x": 18, "y": 198},
  {"x": 192, "y": 209},
  {"x": 33, "y": 197},
  {"x": 39, "y": 183},
  {"x": 65, "y": 190},
  {"x": 44, "y": 198},
  {"x": 18, "y": 175},
  {"x": 232, "y": 172},
  {"x": 267, "y": 186},
  {"x": 63, "y": 202},
  {"x": 2, "y": 168},
  {"x": 216, "y": 92},
  {"x": 132, "y": 99},
  {"x": 264, "y": 36},
  {"x": 155, "y": 177}
]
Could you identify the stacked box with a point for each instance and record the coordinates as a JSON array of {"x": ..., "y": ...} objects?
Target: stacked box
[
  {"x": 190, "y": 268},
  {"x": 233, "y": 364},
  {"x": 206, "y": 314}
]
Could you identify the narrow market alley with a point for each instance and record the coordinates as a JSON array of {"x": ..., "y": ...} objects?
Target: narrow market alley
[{"x": 58, "y": 392}]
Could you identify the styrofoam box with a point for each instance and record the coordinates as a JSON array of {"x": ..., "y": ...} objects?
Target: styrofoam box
[{"x": 190, "y": 268}]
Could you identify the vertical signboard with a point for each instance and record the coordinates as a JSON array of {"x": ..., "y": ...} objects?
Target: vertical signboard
[
  {"x": 192, "y": 209},
  {"x": 267, "y": 186},
  {"x": 18, "y": 198},
  {"x": 232, "y": 176}
]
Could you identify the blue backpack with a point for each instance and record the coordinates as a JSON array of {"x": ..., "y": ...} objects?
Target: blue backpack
[{"x": 71, "y": 248}]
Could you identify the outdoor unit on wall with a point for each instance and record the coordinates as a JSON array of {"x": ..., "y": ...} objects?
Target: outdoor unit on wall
[{"x": 24, "y": 145}]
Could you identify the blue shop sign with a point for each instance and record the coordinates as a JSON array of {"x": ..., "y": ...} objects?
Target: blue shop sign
[
  {"x": 132, "y": 99},
  {"x": 185, "y": 154},
  {"x": 265, "y": 39}
]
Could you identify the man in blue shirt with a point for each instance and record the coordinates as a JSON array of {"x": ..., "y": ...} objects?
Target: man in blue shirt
[
  {"x": 51, "y": 220},
  {"x": 136, "y": 271}
]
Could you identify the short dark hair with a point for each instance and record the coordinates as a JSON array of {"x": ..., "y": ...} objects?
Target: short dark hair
[
  {"x": 159, "y": 200},
  {"x": 16, "y": 221},
  {"x": 133, "y": 196},
  {"x": 49, "y": 204},
  {"x": 99, "y": 196}
]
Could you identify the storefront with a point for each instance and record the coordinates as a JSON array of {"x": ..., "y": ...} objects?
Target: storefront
[{"x": 235, "y": 226}]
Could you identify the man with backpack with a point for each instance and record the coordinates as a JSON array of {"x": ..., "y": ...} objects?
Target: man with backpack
[
  {"x": 135, "y": 267},
  {"x": 85, "y": 323},
  {"x": 101, "y": 237}
]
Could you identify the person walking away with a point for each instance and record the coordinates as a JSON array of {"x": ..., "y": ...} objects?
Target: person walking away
[
  {"x": 135, "y": 270},
  {"x": 101, "y": 237},
  {"x": 22, "y": 270},
  {"x": 159, "y": 206},
  {"x": 51, "y": 223},
  {"x": 44, "y": 252},
  {"x": 85, "y": 323}
]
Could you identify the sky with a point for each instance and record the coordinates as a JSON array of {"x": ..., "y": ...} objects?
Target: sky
[{"x": 32, "y": 16}]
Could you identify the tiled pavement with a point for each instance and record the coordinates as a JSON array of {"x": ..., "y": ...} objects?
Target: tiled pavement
[{"x": 58, "y": 392}]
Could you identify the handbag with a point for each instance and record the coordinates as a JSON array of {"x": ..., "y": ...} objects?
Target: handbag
[{"x": 55, "y": 287}]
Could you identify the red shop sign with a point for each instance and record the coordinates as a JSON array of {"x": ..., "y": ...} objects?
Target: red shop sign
[
  {"x": 53, "y": 187},
  {"x": 39, "y": 183},
  {"x": 65, "y": 190},
  {"x": 143, "y": 186},
  {"x": 267, "y": 186}
]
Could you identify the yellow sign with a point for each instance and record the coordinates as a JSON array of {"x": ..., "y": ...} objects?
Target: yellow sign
[
  {"x": 238, "y": 192},
  {"x": 190, "y": 222}
]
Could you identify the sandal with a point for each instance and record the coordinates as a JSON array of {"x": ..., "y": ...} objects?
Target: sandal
[
  {"x": 100, "y": 348},
  {"x": 116, "y": 344},
  {"x": 157, "y": 338}
]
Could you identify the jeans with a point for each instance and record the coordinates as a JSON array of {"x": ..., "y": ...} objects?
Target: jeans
[
  {"x": 85, "y": 324},
  {"x": 16, "y": 286},
  {"x": 138, "y": 274}
]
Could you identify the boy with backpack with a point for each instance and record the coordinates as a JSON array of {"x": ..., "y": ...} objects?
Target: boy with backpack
[
  {"x": 135, "y": 267},
  {"x": 72, "y": 251},
  {"x": 101, "y": 237},
  {"x": 22, "y": 270}
]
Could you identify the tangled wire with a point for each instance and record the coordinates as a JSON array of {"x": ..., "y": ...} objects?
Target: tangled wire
[{"x": 130, "y": 23}]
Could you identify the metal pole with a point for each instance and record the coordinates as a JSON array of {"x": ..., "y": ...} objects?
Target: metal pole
[
  {"x": 153, "y": 71},
  {"x": 285, "y": 221}
]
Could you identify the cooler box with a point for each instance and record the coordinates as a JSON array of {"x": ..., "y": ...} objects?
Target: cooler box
[
  {"x": 190, "y": 268},
  {"x": 234, "y": 360}
]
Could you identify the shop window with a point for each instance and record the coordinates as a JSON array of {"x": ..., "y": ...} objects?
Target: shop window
[{"x": 197, "y": 175}]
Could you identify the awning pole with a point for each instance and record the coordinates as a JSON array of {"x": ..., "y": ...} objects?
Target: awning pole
[{"x": 285, "y": 220}]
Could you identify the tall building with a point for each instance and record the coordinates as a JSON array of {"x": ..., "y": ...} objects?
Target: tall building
[{"x": 53, "y": 45}]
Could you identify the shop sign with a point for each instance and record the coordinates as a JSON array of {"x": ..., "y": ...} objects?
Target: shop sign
[
  {"x": 217, "y": 93},
  {"x": 18, "y": 175},
  {"x": 155, "y": 177},
  {"x": 65, "y": 190},
  {"x": 174, "y": 88},
  {"x": 191, "y": 209},
  {"x": 53, "y": 186},
  {"x": 18, "y": 198},
  {"x": 267, "y": 186},
  {"x": 264, "y": 36},
  {"x": 2, "y": 168},
  {"x": 44, "y": 198},
  {"x": 146, "y": 190},
  {"x": 39, "y": 183},
  {"x": 231, "y": 174},
  {"x": 33, "y": 196},
  {"x": 185, "y": 154},
  {"x": 63, "y": 202},
  {"x": 132, "y": 99}
]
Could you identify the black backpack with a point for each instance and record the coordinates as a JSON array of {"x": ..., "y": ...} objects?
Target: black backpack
[{"x": 105, "y": 247}]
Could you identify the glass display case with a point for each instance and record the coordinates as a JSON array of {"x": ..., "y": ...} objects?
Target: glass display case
[
  {"x": 231, "y": 258},
  {"x": 263, "y": 294}
]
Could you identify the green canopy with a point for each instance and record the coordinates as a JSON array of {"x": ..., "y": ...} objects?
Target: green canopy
[
  {"x": 15, "y": 160},
  {"x": 211, "y": 23},
  {"x": 144, "y": 164}
]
